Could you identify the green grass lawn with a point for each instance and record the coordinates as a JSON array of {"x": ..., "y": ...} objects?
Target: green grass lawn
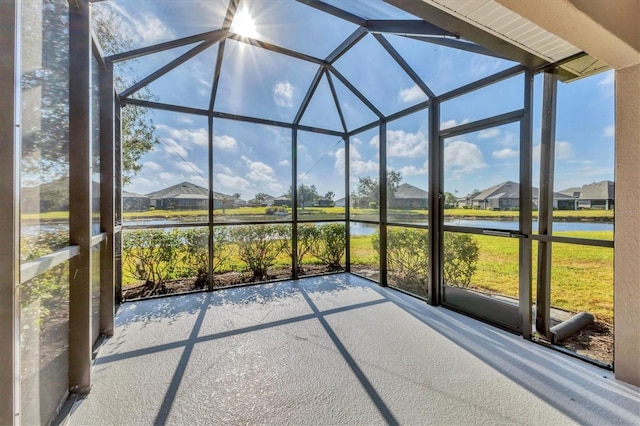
[{"x": 582, "y": 276}]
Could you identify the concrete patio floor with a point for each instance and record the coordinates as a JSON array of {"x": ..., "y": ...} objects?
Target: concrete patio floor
[{"x": 334, "y": 350}]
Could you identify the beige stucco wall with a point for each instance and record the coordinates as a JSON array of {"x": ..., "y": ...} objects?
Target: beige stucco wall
[
  {"x": 627, "y": 227},
  {"x": 609, "y": 30},
  {"x": 615, "y": 17}
]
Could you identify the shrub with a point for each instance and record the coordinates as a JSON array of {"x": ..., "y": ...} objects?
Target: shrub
[
  {"x": 407, "y": 254},
  {"x": 307, "y": 236},
  {"x": 276, "y": 209},
  {"x": 194, "y": 256},
  {"x": 330, "y": 244},
  {"x": 258, "y": 246},
  {"x": 149, "y": 254},
  {"x": 222, "y": 248},
  {"x": 460, "y": 259}
]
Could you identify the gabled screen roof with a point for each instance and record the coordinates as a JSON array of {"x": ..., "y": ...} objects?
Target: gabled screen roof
[{"x": 330, "y": 64}]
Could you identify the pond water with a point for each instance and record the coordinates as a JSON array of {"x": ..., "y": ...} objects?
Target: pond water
[
  {"x": 358, "y": 228},
  {"x": 368, "y": 229}
]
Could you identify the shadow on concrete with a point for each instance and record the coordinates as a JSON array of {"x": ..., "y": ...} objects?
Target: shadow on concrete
[{"x": 573, "y": 387}]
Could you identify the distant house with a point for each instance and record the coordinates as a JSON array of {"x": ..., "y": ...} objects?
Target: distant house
[
  {"x": 183, "y": 196},
  {"x": 408, "y": 196},
  {"x": 132, "y": 202},
  {"x": 225, "y": 201},
  {"x": 189, "y": 196},
  {"x": 467, "y": 200},
  {"x": 506, "y": 196},
  {"x": 238, "y": 202},
  {"x": 561, "y": 201},
  {"x": 597, "y": 195},
  {"x": 266, "y": 202},
  {"x": 324, "y": 202},
  {"x": 342, "y": 202},
  {"x": 282, "y": 201}
]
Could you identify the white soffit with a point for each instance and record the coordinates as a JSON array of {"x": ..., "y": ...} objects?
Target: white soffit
[{"x": 502, "y": 22}]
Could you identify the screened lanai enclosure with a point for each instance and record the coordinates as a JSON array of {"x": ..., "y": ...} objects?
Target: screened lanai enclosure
[{"x": 249, "y": 142}]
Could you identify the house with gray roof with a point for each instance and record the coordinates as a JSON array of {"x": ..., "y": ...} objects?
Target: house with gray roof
[
  {"x": 188, "y": 196},
  {"x": 506, "y": 196},
  {"x": 132, "y": 202},
  {"x": 183, "y": 196},
  {"x": 407, "y": 196},
  {"x": 596, "y": 195}
]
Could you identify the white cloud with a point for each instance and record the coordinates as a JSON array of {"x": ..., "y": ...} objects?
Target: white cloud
[
  {"x": 508, "y": 139},
  {"x": 489, "y": 133},
  {"x": 184, "y": 119},
  {"x": 259, "y": 171},
  {"x": 283, "y": 94},
  {"x": 483, "y": 65},
  {"x": 593, "y": 173},
  {"x": 463, "y": 156},
  {"x": 168, "y": 177},
  {"x": 186, "y": 137},
  {"x": 173, "y": 148},
  {"x": 413, "y": 171},
  {"x": 231, "y": 182},
  {"x": 205, "y": 82},
  {"x": 608, "y": 79},
  {"x": 198, "y": 180},
  {"x": 338, "y": 165},
  {"x": 403, "y": 144},
  {"x": 411, "y": 94},
  {"x": 151, "y": 29},
  {"x": 358, "y": 166},
  {"x": 225, "y": 142},
  {"x": 284, "y": 163},
  {"x": 188, "y": 167},
  {"x": 151, "y": 165},
  {"x": 452, "y": 123},
  {"x": 505, "y": 153},
  {"x": 142, "y": 185},
  {"x": 146, "y": 28},
  {"x": 609, "y": 131},
  {"x": 275, "y": 188},
  {"x": 564, "y": 151},
  {"x": 222, "y": 168},
  {"x": 280, "y": 135}
]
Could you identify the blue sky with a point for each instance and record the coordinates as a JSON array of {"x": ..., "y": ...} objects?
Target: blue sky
[{"x": 251, "y": 158}]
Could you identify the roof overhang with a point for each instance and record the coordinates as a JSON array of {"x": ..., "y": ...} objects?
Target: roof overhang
[{"x": 505, "y": 32}]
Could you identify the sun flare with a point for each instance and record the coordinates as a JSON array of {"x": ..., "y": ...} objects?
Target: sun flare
[{"x": 244, "y": 25}]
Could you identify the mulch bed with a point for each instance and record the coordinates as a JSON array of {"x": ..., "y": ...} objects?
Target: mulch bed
[
  {"x": 594, "y": 341},
  {"x": 227, "y": 279}
]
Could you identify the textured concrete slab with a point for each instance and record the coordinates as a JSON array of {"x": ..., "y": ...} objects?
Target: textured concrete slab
[{"x": 335, "y": 350}]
